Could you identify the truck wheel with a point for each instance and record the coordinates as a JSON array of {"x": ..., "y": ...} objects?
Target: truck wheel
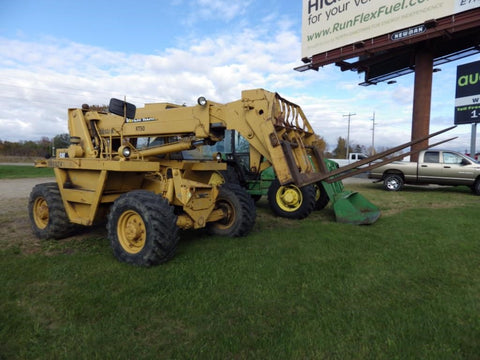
[
  {"x": 392, "y": 182},
  {"x": 142, "y": 228},
  {"x": 321, "y": 196},
  {"x": 239, "y": 210},
  {"x": 476, "y": 187},
  {"x": 290, "y": 201},
  {"x": 47, "y": 213}
]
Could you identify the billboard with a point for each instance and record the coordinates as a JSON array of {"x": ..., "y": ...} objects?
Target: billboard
[
  {"x": 467, "y": 94},
  {"x": 332, "y": 24}
]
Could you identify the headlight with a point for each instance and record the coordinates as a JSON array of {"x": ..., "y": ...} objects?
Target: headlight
[
  {"x": 125, "y": 151},
  {"x": 218, "y": 157},
  {"x": 202, "y": 101}
]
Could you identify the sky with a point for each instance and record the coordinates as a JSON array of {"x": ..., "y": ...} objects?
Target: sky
[{"x": 56, "y": 55}]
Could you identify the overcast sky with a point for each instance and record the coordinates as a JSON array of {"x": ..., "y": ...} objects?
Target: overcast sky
[{"x": 60, "y": 54}]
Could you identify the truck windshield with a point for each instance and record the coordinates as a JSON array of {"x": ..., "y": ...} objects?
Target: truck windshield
[{"x": 472, "y": 159}]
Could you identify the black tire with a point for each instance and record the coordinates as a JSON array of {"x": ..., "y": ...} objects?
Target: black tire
[
  {"x": 290, "y": 201},
  {"x": 321, "y": 196},
  {"x": 239, "y": 209},
  {"x": 47, "y": 213},
  {"x": 392, "y": 182},
  {"x": 256, "y": 198},
  {"x": 476, "y": 187},
  {"x": 142, "y": 228},
  {"x": 230, "y": 175}
]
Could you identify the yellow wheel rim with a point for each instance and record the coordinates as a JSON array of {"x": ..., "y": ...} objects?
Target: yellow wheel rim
[
  {"x": 40, "y": 213},
  {"x": 289, "y": 198},
  {"x": 317, "y": 192},
  {"x": 229, "y": 215},
  {"x": 131, "y": 232}
]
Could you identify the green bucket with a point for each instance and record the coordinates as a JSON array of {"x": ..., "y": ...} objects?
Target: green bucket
[{"x": 350, "y": 207}]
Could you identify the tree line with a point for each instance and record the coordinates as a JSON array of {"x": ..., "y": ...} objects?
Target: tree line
[
  {"x": 45, "y": 146},
  {"x": 29, "y": 148}
]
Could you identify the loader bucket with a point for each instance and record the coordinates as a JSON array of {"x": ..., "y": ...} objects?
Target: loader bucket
[{"x": 350, "y": 207}]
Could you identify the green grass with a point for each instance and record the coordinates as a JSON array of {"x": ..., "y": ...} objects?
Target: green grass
[
  {"x": 23, "y": 171},
  {"x": 407, "y": 287}
]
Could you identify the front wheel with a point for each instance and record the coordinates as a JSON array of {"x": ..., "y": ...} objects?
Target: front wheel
[
  {"x": 142, "y": 228},
  {"x": 290, "y": 201},
  {"x": 239, "y": 212},
  {"x": 47, "y": 213},
  {"x": 476, "y": 187},
  {"x": 392, "y": 182}
]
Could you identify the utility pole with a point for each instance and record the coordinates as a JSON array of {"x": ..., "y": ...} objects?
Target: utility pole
[
  {"x": 473, "y": 140},
  {"x": 348, "y": 133},
  {"x": 373, "y": 134}
]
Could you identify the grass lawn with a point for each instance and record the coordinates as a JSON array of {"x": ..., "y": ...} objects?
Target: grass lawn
[
  {"x": 23, "y": 171},
  {"x": 407, "y": 287}
]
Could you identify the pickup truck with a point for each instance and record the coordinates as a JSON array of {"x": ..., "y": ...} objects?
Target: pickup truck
[
  {"x": 440, "y": 167},
  {"x": 352, "y": 157}
]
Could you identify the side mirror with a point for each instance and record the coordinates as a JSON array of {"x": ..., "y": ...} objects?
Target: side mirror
[
  {"x": 465, "y": 162},
  {"x": 122, "y": 108}
]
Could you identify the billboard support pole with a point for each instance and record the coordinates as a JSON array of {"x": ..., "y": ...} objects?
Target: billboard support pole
[
  {"x": 422, "y": 96},
  {"x": 473, "y": 140}
]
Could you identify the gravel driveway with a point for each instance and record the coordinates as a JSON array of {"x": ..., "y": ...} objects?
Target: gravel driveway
[{"x": 19, "y": 188}]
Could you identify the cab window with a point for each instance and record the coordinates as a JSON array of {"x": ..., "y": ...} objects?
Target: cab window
[
  {"x": 451, "y": 158},
  {"x": 431, "y": 157}
]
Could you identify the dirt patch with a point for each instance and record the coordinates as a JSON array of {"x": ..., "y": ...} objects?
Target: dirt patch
[
  {"x": 19, "y": 188},
  {"x": 15, "y": 228}
]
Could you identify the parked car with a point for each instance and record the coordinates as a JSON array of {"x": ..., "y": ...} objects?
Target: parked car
[{"x": 441, "y": 167}]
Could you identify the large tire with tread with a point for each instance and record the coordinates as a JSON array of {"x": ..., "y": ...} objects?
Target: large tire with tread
[
  {"x": 393, "y": 182},
  {"x": 142, "y": 228},
  {"x": 476, "y": 187},
  {"x": 321, "y": 196},
  {"x": 230, "y": 175},
  {"x": 290, "y": 201},
  {"x": 239, "y": 210},
  {"x": 47, "y": 213}
]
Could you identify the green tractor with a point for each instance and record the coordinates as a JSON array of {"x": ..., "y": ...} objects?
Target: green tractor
[{"x": 290, "y": 201}]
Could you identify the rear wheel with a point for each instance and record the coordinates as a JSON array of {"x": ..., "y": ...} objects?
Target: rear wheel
[
  {"x": 239, "y": 212},
  {"x": 290, "y": 201},
  {"x": 142, "y": 228},
  {"x": 392, "y": 182},
  {"x": 47, "y": 213}
]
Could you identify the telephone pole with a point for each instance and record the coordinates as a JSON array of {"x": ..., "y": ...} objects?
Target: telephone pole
[
  {"x": 373, "y": 134},
  {"x": 349, "y": 115}
]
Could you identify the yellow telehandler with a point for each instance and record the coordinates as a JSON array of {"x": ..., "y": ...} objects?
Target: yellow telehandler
[{"x": 135, "y": 168}]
